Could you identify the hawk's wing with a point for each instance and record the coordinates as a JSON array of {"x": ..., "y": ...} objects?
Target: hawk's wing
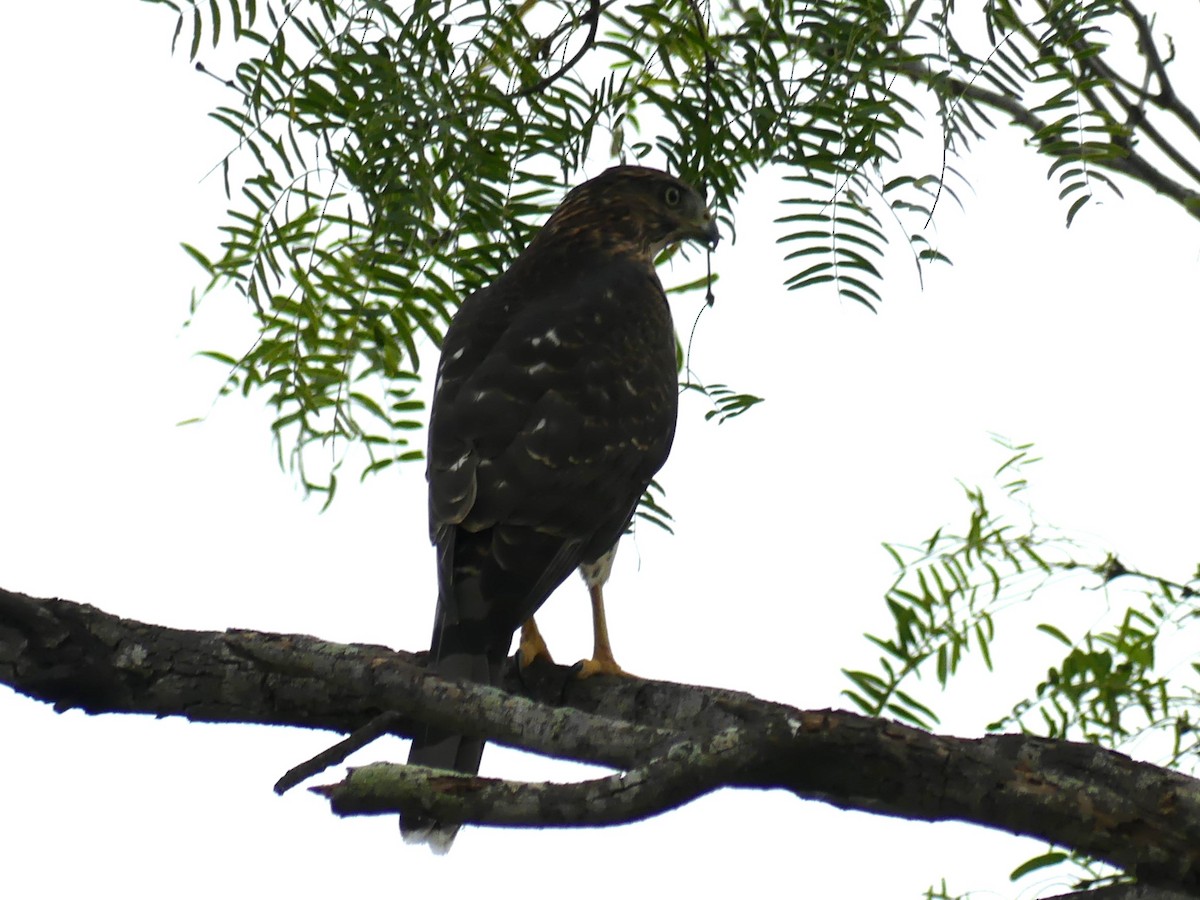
[{"x": 554, "y": 406}]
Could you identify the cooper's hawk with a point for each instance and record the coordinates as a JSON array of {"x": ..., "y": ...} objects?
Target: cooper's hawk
[{"x": 554, "y": 406}]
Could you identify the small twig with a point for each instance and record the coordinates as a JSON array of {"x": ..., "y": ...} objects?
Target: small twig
[
  {"x": 228, "y": 82},
  {"x": 1132, "y": 166},
  {"x": 373, "y": 730},
  {"x": 1112, "y": 569},
  {"x": 1167, "y": 98},
  {"x": 592, "y": 17},
  {"x": 1150, "y": 51}
]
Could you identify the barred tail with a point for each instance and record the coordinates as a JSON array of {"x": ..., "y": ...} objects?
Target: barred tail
[{"x": 439, "y": 749}]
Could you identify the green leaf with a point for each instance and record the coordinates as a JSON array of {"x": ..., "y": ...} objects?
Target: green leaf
[
  {"x": 1079, "y": 203},
  {"x": 198, "y": 257},
  {"x": 1052, "y": 858},
  {"x": 1055, "y": 633},
  {"x": 197, "y": 30}
]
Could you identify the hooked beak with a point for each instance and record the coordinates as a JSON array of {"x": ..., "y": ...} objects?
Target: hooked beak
[
  {"x": 711, "y": 234},
  {"x": 702, "y": 228}
]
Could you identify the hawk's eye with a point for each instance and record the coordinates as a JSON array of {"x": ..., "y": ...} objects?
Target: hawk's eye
[{"x": 671, "y": 196}]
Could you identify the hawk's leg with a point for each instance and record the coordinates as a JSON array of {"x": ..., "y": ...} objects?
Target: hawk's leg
[
  {"x": 602, "y": 662},
  {"x": 532, "y": 646}
]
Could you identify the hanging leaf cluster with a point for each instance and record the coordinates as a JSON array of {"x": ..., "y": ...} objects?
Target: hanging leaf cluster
[{"x": 388, "y": 158}]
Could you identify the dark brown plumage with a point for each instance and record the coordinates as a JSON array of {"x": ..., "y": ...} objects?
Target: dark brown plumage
[{"x": 554, "y": 406}]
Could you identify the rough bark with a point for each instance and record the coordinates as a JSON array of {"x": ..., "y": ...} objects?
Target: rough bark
[
  {"x": 1125, "y": 892},
  {"x": 670, "y": 743}
]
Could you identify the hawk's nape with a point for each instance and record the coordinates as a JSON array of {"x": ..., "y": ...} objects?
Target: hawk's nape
[{"x": 554, "y": 406}]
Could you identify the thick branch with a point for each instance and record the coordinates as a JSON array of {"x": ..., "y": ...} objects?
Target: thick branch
[
  {"x": 1125, "y": 892},
  {"x": 674, "y": 742},
  {"x": 689, "y": 769},
  {"x": 1137, "y": 816},
  {"x": 79, "y": 657}
]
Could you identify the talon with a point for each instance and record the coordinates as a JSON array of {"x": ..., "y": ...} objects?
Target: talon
[
  {"x": 532, "y": 647},
  {"x": 587, "y": 668}
]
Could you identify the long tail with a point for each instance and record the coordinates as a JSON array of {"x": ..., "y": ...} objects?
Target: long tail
[{"x": 449, "y": 658}]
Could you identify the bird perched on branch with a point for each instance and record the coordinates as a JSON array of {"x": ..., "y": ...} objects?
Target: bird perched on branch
[{"x": 554, "y": 406}]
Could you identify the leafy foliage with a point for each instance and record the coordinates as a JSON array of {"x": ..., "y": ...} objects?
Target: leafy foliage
[
  {"x": 390, "y": 158},
  {"x": 727, "y": 403},
  {"x": 947, "y": 594},
  {"x": 1108, "y": 688}
]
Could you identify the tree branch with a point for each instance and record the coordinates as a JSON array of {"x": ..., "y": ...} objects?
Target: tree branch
[
  {"x": 1130, "y": 165},
  {"x": 79, "y": 657},
  {"x": 1125, "y": 892},
  {"x": 1167, "y": 98},
  {"x": 689, "y": 769},
  {"x": 672, "y": 742},
  {"x": 592, "y": 19},
  {"x": 1135, "y": 113}
]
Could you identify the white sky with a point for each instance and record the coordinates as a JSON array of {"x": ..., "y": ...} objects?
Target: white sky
[{"x": 1083, "y": 341}]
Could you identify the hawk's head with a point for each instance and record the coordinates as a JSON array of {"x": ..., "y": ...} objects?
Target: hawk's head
[{"x": 633, "y": 209}]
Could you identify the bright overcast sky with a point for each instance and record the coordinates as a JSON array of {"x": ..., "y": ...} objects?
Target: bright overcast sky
[{"x": 1082, "y": 340}]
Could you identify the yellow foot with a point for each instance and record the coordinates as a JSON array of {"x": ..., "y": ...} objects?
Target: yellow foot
[
  {"x": 532, "y": 646},
  {"x": 586, "y": 668}
]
